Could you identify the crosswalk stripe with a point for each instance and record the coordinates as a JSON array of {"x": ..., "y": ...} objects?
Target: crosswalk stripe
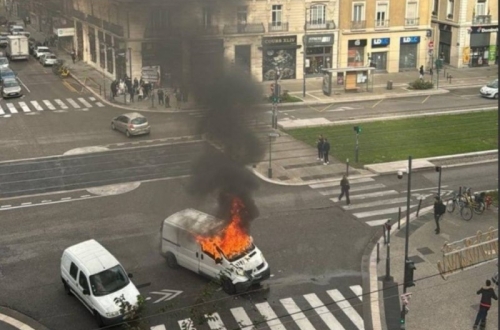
[
  {"x": 61, "y": 104},
  {"x": 1, "y": 111},
  {"x": 92, "y": 98},
  {"x": 214, "y": 321},
  {"x": 378, "y": 212},
  {"x": 186, "y": 324},
  {"x": 360, "y": 188},
  {"x": 49, "y": 105},
  {"x": 346, "y": 308},
  {"x": 376, "y": 203},
  {"x": 374, "y": 223},
  {"x": 241, "y": 317},
  {"x": 158, "y": 327},
  {"x": 84, "y": 102},
  {"x": 270, "y": 316},
  {"x": 323, "y": 312},
  {"x": 369, "y": 195},
  {"x": 73, "y": 103},
  {"x": 337, "y": 183},
  {"x": 37, "y": 106},
  {"x": 358, "y": 291},
  {"x": 296, "y": 314},
  {"x": 11, "y": 107},
  {"x": 24, "y": 106},
  {"x": 99, "y": 104}
]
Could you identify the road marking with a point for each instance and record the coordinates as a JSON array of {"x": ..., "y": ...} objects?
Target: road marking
[
  {"x": 296, "y": 314},
  {"x": 68, "y": 86},
  {"x": 375, "y": 194},
  {"x": 61, "y": 104},
  {"x": 358, "y": 291},
  {"x": 5, "y": 206},
  {"x": 158, "y": 327},
  {"x": 426, "y": 98},
  {"x": 346, "y": 308},
  {"x": 374, "y": 223},
  {"x": 337, "y": 183},
  {"x": 421, "y": 189},
  {"x": 360, "y": 188},
  {"x": 375, "y": 203},
  {"x": 378, "y": 212},
  {"x": 92, "y": 98},
  {"x": 15, "y": 323},
  {"x": 99, "y": 104},
  {"x": 84, "y": 102},
  {"x": 323, "y": 312},
  {"x": 377, "y": 103},
  {"x": 186, "y": 324},
  {"x": 46, "y": 201},
  {"x": 1, "y": 111},
  {"x": 37, "y": 106},
  {"x": 65, "y": 198},
  {"x": 241, "y": 317},
  {"x": 26, "y": 87},
  {"x": 27, "y": 203},
  {"x": 11, "y": 107},
  {"x": 73, "y": 103},
  {"x": 270, "y": 316},
  {"x": 24, "y": 106},
  {"x": 50, "y": 105},
  {"x": 214, "y": 321}
]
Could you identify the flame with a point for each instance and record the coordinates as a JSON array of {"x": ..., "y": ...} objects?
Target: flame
[{"x": 232, "y": 240}]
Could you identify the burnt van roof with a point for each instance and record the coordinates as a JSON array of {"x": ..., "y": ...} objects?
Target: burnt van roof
[{"x": 194, "y": 221}]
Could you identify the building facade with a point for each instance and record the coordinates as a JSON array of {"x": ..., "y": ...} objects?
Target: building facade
[
  {"x": 466, "y": 32},
  {"x": 391, "y": 36}
]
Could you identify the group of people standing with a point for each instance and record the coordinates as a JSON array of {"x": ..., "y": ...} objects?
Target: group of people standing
[{"x": 323, "y": 149}]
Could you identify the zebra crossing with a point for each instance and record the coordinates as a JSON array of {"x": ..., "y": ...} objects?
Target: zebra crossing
[
  {"x": 371, "y": 202},
  {"x": 329, "y": 310},
  {"x": 8, "y": 107}
]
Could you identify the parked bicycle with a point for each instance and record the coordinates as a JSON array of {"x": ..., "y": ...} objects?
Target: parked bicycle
[{"x": 467, "y": 203}]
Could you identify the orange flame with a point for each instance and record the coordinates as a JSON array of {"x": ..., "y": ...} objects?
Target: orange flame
[{"x": 232, "y": 240}]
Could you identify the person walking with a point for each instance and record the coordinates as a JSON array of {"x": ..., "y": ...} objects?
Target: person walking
[
  {"x": 73, "y": 55},
  {"x": 141, "y": 93},
  {"x": 487, "y": 293},
  {"x": 319, "y": 145},
  {"x": 344, "y": 189},
  {"x": 114, "y": 86},
  {"x": 421, "y": 70},
  {"x": 160, "y": 96},
  {"x": 439, "y": 210},
  {"x": 167, "y": 100},
  {"x": 326, "y": 150},
  {"x": 131, "y": 91}
]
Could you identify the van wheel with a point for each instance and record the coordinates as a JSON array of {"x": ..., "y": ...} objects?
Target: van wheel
[
  {"x": 496, "y": 96},
  {"x": 228, "y": 286},
  {"x": 66, "y": 288},
  {"x": 172, "y": 260},
  {"x": 98, "y": 319}
]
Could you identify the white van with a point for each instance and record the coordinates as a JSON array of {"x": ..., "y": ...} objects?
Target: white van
[
  {"x": 180, "y": 247},
  {"x": 96, "y": 278}
]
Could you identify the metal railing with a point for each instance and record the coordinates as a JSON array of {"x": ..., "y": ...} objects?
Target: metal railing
[
  {"x": 357, "y": 25},
  {"x": 481, "y": 19},
  {"x": 277, "y": 26},
  {"x": 412, "y": 21},
  {"x": 249, "y": 28},
  {"x": 381, "y": 23},
  {"x": 321, "y": 25}
]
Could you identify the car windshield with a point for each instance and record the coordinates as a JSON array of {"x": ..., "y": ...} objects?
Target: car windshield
[
  {"x": 493, "y": 84},
  {"x": 50, "y": 56},
  {"x": 10, "y": 83},
  {"x": 4, "y": 61},
  {"x": 109, "y": 281},
  {"x": 43, "y": 50},
  {"x": 7, "y": 75},
  {"x": 235, "y": 257},
  {"x": 139, "y": 120}
]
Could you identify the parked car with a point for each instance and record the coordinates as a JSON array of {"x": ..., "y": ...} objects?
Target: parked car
[
  {"x": 39, "y": 50},
  {"x": 131, "y": 124},
  {"x": 490, "y": 90},
  {"x": 3, "y": 41},
  {"x": 4, "y": 62},
  {"x": 6, "y": 74},
  {"x": 11, "y": 88},
  {"x": 48, "y": 59}
]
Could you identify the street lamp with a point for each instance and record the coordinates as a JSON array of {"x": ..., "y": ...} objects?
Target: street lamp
[{"x": 269, "y": 169}]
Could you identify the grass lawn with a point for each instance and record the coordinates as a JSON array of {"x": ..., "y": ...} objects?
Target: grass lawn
[{"x": 391, "y": 140}]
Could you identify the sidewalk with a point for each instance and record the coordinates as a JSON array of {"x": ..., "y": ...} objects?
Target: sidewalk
[
  {"x": 11, "y": 320},
  {"x": 436, "y": 303}
]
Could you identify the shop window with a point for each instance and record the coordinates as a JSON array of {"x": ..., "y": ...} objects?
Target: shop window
[
  {"x": 381, "y": 15},
  {"x": 450, "y": 9},
  {"x": 276, "y": 15},
  {"x": 317, "y": 14}
]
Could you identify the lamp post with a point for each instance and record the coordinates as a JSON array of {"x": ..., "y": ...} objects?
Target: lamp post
[
  {"x": 269, "y": 169},
  {"x": 304, "y": 42},
  {"x": 130, "y": 62}
]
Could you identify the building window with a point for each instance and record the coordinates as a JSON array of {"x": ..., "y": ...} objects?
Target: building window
[
  {"x": 411, "y": 13},
  {"x": 435, "y": 8},
  {"x": 160, "y": 18},
  {"x": 317, "y": 14},
  {"x": 481, "y": 7},
  {"x": 381, "y": 15},
  {"x": 450, "y": 8},
  {"x": 276, "y": 15},
  {"x": 241, "y": 15},
  {"x": 358, "y": 12},
  {"x": 207, "y": 17}
]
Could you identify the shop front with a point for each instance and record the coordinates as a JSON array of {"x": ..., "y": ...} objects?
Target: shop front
[
  {"x": 408, "y": 50},
  {"x": 168, "y": 57},
  {"x": 279, "y": 53},
  {"x": 65, "y": 37},
  {"x": 356, "y": 52},
  {"x": 378, "y": 58},
  {"x": 445, "y": 43},
  {"x": 481, "y": 52},
  {"x": 318, "y": 53}
]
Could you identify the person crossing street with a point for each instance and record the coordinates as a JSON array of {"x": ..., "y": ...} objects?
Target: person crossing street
[
  {"x": 344, "y": 189},
  {"x": 326, "y": 150},
  {"x": 487, "y": 293}
]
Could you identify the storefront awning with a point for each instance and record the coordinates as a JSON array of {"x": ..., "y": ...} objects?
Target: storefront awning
[{"x": 64, "y": 32}]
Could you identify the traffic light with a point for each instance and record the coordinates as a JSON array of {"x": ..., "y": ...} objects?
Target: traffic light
[
  {"x": 409, "y": 268},
  {"x": 357, "y": 129}
]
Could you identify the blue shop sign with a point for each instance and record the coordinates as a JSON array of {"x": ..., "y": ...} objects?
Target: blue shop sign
[
  {"x": 380, "y": 42},
  {"x": 410, "y": 40}
]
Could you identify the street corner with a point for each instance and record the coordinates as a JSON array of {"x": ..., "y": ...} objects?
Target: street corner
[{"x": 16, "y": 320}]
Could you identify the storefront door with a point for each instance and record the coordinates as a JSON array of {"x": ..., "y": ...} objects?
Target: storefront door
[
  {"x": 242, "y": 57},
  {"x": 380, "y": 61}
]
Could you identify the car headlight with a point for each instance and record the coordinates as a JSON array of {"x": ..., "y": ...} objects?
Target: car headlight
[{"x": 112, "y": 314}]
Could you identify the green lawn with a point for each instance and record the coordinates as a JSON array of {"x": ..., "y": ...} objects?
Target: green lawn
[{"x": 391, "y": 140}]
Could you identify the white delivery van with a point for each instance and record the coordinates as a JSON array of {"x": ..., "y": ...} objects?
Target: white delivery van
[
  {"x": 17, "y": 47},
  {"x": 96, "y": 278},
  {"x": 180, "y": 247}
]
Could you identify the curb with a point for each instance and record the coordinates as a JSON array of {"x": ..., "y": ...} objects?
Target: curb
[{"x": 19, "y": 320}]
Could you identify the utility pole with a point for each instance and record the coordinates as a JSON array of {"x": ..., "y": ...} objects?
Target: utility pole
[{"x": 304, "y": 42}]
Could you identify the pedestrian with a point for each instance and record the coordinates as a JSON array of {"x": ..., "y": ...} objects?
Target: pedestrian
[
  {"x": 344, "y": 189},
  {"x": 167, "y": 100},
  {"x": 486, "y": 293},
  {"x": 431, "y": 72},
  {"x": 141, "y": 93},
  {"x": 160, "y": 96},
  {"x": 421, "y": 70},
  {"x": 178, "y": 98},
  {"x": 319, "y": 145},
  {"x": 326, "y": 150},
  {"x": 439, "y": 210},
  {"x": 73, "y": 55},
  {"x": 114, "y": 84},
  {"x": 131, "y": 91},
  {"x": 136, "y": 83}
]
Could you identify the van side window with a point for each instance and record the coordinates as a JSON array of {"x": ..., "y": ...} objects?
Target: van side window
[
  {"x": 73, "y": 270},
  {"x": 82, "y": 280}
]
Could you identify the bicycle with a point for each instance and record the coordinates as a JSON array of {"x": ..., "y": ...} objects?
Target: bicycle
[{"x": 455, "y": 201}]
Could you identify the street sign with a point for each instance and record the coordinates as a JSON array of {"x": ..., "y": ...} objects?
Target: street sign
[
  {"x": 431, "y": 44},
  {"x": 167, "y": 295}
]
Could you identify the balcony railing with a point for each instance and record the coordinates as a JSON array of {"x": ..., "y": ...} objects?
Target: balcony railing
[
  {"x": 381, "y": 23},
  {"x": 412, "y": 21},
  {"x": 211, "y": 30},
  {"x": 358, "y": 25},
  {"x": 277, "y": 26},
  {"x": 250, "y": 28},
  {"x": 481, "y": 19},
  {"x": 320, "y": 25}
]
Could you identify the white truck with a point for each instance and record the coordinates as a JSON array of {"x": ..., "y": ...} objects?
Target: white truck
[
  {"x": 17, "y": 47},
  {"x": 179, "y": 245}
]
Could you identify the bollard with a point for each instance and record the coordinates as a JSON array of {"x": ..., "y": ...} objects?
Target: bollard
[
  {"x": 378, "y": 252},
  {"x": 419, "y": 205},
  {"x": 399, "y": 218},
  {"x": 387, "y": 225}
]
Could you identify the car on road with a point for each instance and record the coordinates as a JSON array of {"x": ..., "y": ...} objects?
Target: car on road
[
  {"x": 6, "y": 73},
  {"x": 4, "y": 62},
  {"x": 48, "y": 59},
  {"x": 490, "y": 90},
  {"x": 131, "y": 124},
  {"x": 39, "y": 50},
  {"x": 4, "y": 41},
  {"x": 10, "y": 88}
]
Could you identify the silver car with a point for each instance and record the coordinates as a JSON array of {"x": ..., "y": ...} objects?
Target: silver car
[
  {"x": 131, "y": 124},
  {"x": 4, "y": 62},
  {"x": 11, "y": 88},
  {"x": 48, "y": 59}
]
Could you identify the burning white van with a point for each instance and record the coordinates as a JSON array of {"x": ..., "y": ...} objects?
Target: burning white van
[{"x": 227, "y": 254}]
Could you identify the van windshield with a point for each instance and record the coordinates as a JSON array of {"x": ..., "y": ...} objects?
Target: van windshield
[
  {"x": 109, "y": 281},
  {"x": 493, "y": 84},
  {"x": 236, "y": 257}
]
